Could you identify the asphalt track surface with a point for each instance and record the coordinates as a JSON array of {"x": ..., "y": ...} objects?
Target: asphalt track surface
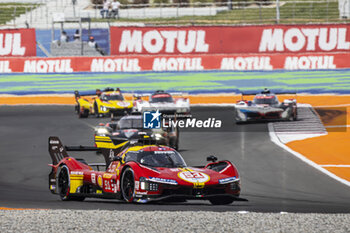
[{"x": 273, "y": 180}]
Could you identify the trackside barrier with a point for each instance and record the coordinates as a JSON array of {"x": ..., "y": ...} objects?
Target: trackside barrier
[
  {"x": 321, "y": 38},
  {"x": 311, "y": 61},
  {"x": 17, "y": 42}
]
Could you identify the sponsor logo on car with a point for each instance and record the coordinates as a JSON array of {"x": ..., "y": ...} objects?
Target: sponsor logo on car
[
  {"x": 93, "y": 178},
  {"x": 162, "y": 180},
  {"x": 228, "y": 180},
  {"x": 76, "y": 173},
  {"x": 99, "y": 181},
  {"x": 123, "y": 104},
  {"x": 55, "y": 142},
  {"x": 193, "y": 176}
]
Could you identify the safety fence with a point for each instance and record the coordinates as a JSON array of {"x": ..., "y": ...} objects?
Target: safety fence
[{"x": 202, "y": 12}]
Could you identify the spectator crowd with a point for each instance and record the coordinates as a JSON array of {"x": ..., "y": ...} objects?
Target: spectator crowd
[{"x": 110, "y": 9}]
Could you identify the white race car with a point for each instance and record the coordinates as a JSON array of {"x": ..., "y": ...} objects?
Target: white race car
[
  {"x": 164, "y": 102},
  {"x": 265, "y": 106}
]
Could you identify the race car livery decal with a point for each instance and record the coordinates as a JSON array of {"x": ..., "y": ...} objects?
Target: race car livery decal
[
  {"x": 93, "y": 178},
  {"x": 99, "y": 181},
  {"x": 107, "y": 176},
  {"x": 193, "y": 176},
  {"x": 123, "y": 104},
  {"x": 162, "y": 180}
]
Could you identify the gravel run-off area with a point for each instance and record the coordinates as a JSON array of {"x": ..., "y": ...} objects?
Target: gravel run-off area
[{"x": 165, "y": 221}]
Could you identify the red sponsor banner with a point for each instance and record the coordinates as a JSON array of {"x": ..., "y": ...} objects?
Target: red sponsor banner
[
  {"x": 315, "y": 61},
  {"x": 230, "y": 39},
  {"x": 17, "y": 42}
]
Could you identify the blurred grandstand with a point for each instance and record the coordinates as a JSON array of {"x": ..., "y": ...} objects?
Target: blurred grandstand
[{"x": 40, "y": 13}]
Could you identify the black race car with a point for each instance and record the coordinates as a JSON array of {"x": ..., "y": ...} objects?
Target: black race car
[{"x": 130, "y": 127}]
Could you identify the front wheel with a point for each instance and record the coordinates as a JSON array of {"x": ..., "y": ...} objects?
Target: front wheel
[
  {"x": 63, "y": 184},
  {"x": 128, "y": 185},
  {"x": 221, "y": 200}
]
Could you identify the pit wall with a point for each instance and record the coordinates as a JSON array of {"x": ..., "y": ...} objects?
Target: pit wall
[{"x": 192, "y": 48}]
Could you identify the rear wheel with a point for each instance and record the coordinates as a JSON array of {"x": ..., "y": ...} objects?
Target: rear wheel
[
  {"x": 295, "y": 114},
  {"x": 64, "y": 186},
  {"x": 128, "y": 185},
  {"x": 221, "y": 200}
]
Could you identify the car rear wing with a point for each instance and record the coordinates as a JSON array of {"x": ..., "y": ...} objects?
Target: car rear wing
[
  {"x": 98, "y": 92},
  {"x": 160, "y": 92},
  {"x": 267, "y": 91},
  {"x": 58, "y": 152}
]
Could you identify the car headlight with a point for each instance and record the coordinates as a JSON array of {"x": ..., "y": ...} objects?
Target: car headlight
[
  {"x": 103, "y": 131},
  {"x": 103, "y": 108},
  {"x": 143, "y": 185},
  {"x": 149, "y": 186},
  {"x": 241, "y": 115},
  {"x": 158, "y": 136}
]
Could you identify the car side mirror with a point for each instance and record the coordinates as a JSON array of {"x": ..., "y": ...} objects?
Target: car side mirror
[
  {"x": 117, "y": 158},
  {"x": 212, "y": 158}
]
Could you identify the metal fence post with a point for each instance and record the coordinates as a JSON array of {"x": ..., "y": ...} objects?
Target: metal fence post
[
  {"x": 311, "y": 5},
  {"x": 327, "y": 11},
  {"x": 277, "y": 11},
  {"x": 31, "y": 14},
  {"x": 47, "y": 17},
  {"x": 293, "y": 11},
  {"x": 14, "y": 16},
  {"x": 260, "y": 14}
]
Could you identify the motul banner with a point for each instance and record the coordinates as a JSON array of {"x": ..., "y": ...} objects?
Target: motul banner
[
  {"x": 17, "y": 42},
  {"x": 315, "y": 61},
  {"x": 229, "y": 39}
]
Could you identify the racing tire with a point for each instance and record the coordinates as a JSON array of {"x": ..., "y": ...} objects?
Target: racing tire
[
  {"x": 97, "y": 114},
  {"x": 63, "y": 184},
  {"x": 221, "y": 200},
  {"x": 128, "y": 185},
  {"x": 81, "y": 114},
  {"x": 295, "y": 115}
]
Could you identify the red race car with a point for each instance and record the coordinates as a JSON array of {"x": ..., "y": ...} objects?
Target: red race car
[{"x": 141, "y": 173}]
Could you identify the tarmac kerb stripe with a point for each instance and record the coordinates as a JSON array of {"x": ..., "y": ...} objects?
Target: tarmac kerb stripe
[{"x": 274, "y": 138}]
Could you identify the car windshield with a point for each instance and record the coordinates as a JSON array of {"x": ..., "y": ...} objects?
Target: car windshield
[
  {"x": 268, "y": 101},
  {"x": 169, "y": 159},
  {"x": 161, "y": 98},
  {"x": 130, "y": 124},
  {"x": 112, "y": 97}
]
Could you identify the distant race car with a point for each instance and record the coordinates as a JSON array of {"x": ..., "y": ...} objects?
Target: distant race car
[
  {"x": 164, "y": 102},
  {"x": 102, "y": 103},
  {"x": 265, "y": 106},
  {"x": 131, "y": 128},
  {"x": 141, "y": 173}
]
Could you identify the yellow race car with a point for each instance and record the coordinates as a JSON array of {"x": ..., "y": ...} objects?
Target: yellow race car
[{"x": 103, "y": 103}]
